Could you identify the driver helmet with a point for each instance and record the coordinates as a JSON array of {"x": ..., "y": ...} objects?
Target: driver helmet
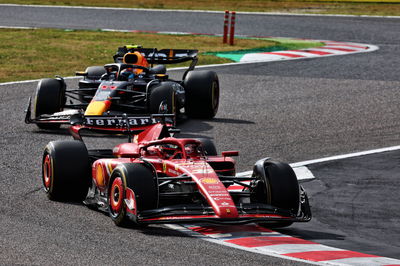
[
  {"x": 136, "y": 58},
  {"x": 128, "y": 73}
]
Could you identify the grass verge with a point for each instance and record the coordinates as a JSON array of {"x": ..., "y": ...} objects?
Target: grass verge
[
  {"x": 38, "y": 53},
  {"x": 353, "y": 7}
]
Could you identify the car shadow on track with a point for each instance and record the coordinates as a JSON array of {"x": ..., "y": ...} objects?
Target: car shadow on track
[
  {"x": 61, "y": 132},
  {"x": 66, "y": 132},
  {"x": 199, "y": 125},
  {"x": 232, "y": 121}
]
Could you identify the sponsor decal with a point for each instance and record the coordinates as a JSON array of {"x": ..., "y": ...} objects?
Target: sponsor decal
[
  {"x": 130, "y": 201},
  {"x": 210, "y": 180},
  {"x": 172, "y": 171},
  {"x": 163, "y": 56},
  {"x": 113, "y": 122},
  {"x": 203, "y": 171},
  {"x": 219, "y": 195},
  {"x": 224, "y": 198},
  {"x": 164, "y": 167},
  {"x": 192, "y": 164}
]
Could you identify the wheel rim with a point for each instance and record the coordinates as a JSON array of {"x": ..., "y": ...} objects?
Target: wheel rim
[
  {"x": 116, "y": 196},
  {"x": 47, "y": 172}
]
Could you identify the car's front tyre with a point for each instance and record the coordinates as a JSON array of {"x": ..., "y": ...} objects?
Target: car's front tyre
[
  {"x": 49, "y": 98},
  {"x": 131, "y": 184},
  {"x": 66, "y": 170}
]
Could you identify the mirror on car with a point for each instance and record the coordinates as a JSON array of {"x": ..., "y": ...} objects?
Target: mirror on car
[{"x": 230, "y": 153}]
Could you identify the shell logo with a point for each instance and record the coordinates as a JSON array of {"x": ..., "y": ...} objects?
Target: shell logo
[
  {"x": 100, "y": 175},
  {"x": 209, "y": 180}
]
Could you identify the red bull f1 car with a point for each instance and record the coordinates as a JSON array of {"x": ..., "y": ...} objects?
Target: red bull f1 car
[
  {"x": 158, "y": 178},
  {"x": 132, "y": 85}
]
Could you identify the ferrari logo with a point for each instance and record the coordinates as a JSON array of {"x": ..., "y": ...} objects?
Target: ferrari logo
[{"x": 164, "y": 167}]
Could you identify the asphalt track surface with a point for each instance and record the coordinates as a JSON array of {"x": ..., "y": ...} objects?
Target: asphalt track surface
[{"x": 292, "y": 111}]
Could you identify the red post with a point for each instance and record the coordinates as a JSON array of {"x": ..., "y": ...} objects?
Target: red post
[
  {"x": 226, "y": 22},
  {"x": 232, "y": 33}
]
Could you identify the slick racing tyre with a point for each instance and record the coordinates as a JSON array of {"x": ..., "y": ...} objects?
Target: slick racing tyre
[
  {"x": 95, "y": 72},
  {"x": 89, "y": 85},
  {"x": 49, "y": 99},
  {"x": 278, "y": 187},
  {"x": 162, "y": 99},
  {"x": 66, "y": 170},
  {"x": 131, "y": 184},
  {"x": 202, "y": 94},
  {"x": 208, "y": 146}
]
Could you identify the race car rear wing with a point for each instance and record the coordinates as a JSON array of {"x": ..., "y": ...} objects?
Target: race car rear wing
[{"x": 154, "y": 56}]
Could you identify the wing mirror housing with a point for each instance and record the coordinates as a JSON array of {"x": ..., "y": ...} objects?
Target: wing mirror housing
[{"x": 230, "y": 153}]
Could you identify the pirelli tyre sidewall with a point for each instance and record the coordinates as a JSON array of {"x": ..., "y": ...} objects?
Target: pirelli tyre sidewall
[
  {"x": 66, "y": 170},
  {"x": 140, "y": 180},
  {"x": 49, "y": 98},
  {"x": 202, "y": 94}
]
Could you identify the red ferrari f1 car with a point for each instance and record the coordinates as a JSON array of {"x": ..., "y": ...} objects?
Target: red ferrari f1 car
[
  {"x": 132, "y": 85},
  {"x": 157, "y": 178}
]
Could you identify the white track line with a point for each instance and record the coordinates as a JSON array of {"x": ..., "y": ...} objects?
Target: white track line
[
  {"x": 201, "y": 11},
  {"x": 303, "y": 173},
  {"x": 345, "y": 156}
]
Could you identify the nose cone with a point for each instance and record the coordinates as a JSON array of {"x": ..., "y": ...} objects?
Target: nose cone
[{"x": 97, "y": 107}]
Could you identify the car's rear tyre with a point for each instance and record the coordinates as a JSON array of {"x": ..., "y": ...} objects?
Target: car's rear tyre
[
  {"x": 278, "y": 186},
  {"x": 49, "y": 99},
  {"x": 162, "y": 99},
  {"x": 137, "y": 180},
  {"x": 202, "y": 94},
  {"x": 95, "y": 72},
  {"x": 90, "y": 83},
  {"x": 66, "y": 170},
  {"x": 208, "y": 146}
]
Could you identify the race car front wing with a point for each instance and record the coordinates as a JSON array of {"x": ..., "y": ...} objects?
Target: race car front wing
[{"x": 247, "y": 213}]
